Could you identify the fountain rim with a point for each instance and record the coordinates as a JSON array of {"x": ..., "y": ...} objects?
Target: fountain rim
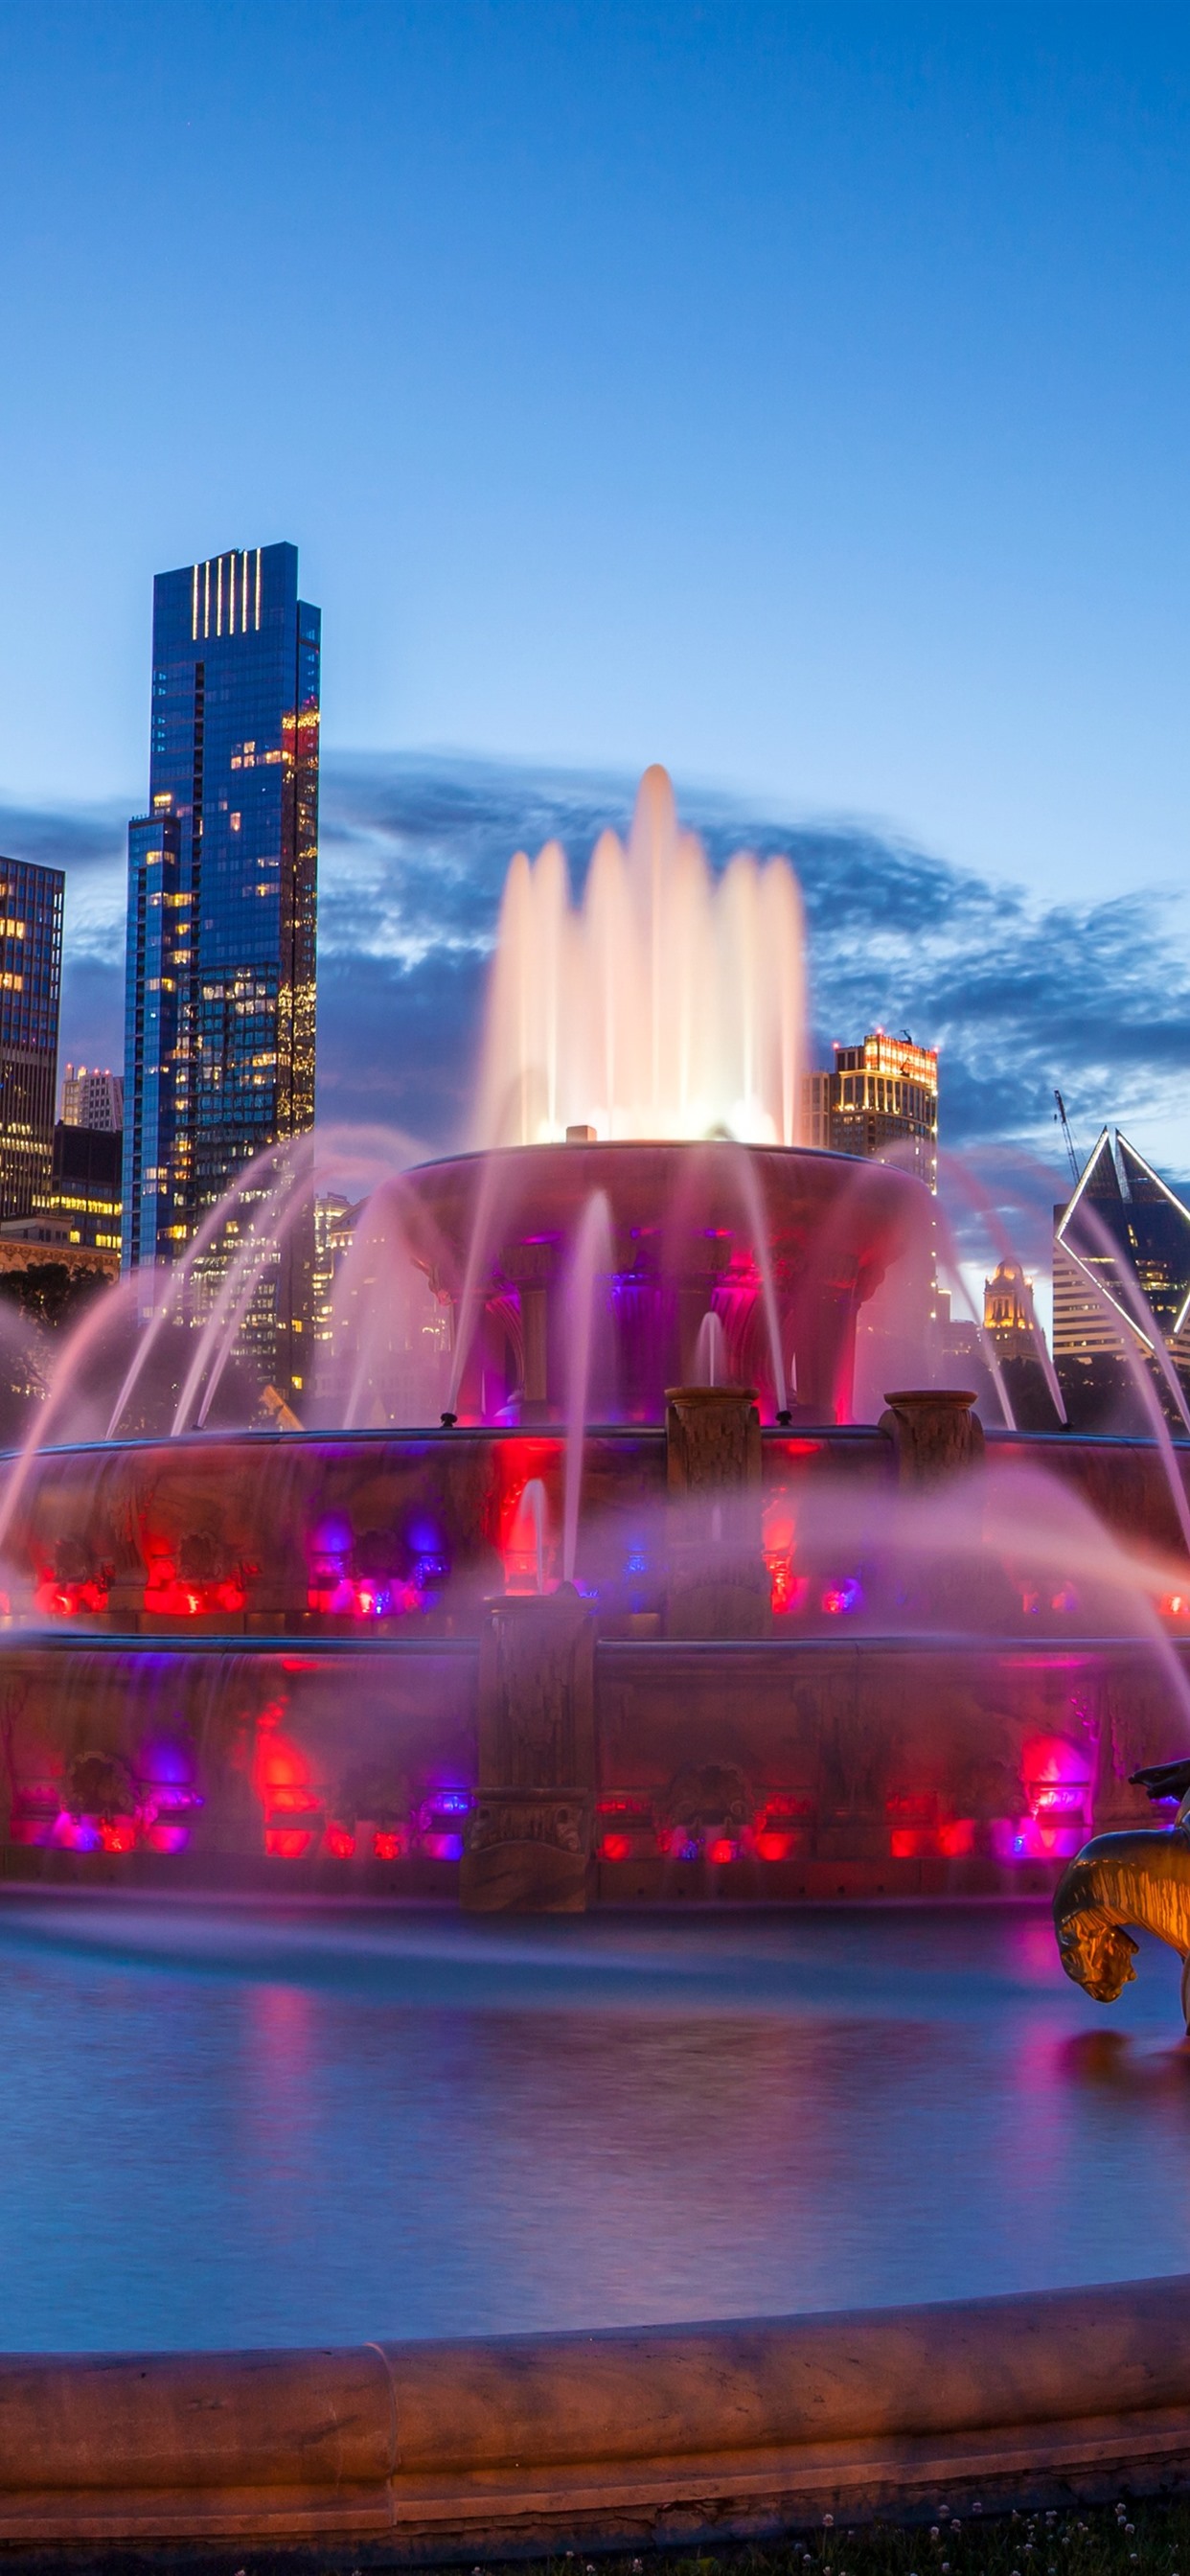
[
  {"x": 1047, "y": 1646},
  {"x": 658, "y": 1145},
  {"x": 509, "y": 2444},
  {"x": 418, "y": 1434}
]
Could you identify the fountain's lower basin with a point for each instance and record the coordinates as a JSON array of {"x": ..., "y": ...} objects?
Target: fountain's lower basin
[
  {"x": 755, "y": 1771},
  {"x": 210, "y": 1675},
  {"x": 255, "y": 2124},
  {"x": 316, "y": 2125}
]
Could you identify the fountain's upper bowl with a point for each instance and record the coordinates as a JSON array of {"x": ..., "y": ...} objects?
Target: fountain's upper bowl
[
  {"x": 776, "y": 1239},
  {"x": 661, "y": 1194}
]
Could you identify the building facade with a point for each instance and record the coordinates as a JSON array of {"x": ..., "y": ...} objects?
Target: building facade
[
  {"x": 1123, "y": 1223},
  {"x": 880, "y": 1100},
  {"x": 91, "y": 1098},
  {"x": 222, "y": 903},
  {"x": 30, "y": 994},
  {"x": 85, "y": 1185},
  {"x": 1008, "y": 1316}
]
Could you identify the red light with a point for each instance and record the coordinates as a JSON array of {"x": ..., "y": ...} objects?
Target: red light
[
  {"x": 285, "y": 1842},
  {"x": 168, "y": 1596},
  {"x": 721, "y": 1851},
  {"x": 387, "y": 1845},
  {"x": 615, "y": 1847},
  {"x": 952, "y": 1841},
  {"x": 168, "y": 1838},
  {"x": 65, "y": 1600},
  {"x": 1057, "y": 1777},
  {"x": 340, "y": 1843},
  {"x": 117, "y": 1833},
  {"x": 781, "y": 1829}
]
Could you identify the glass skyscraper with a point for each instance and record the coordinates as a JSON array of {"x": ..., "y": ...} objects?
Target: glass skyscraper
[
  {"x": 222, "y": 901},
  {"x": 30, "y": 992}
]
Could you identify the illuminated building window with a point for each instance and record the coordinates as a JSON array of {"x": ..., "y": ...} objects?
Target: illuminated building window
[{"x": 221, "y": 1024}]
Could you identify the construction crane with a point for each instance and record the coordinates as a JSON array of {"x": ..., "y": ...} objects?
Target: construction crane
[{"x": 1061, "y": 1120}]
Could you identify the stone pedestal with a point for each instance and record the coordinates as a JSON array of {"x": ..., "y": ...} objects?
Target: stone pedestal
[
  {"x": 934, "y": 1433},
  {"x": 718, "y": 1581},
  {"x": 531, "y": 1268},
  {"x": 528, "y": 1843}
]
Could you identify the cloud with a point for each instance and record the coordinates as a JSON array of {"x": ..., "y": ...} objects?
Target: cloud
[
  {"x": 1019, "y": 996},
  {"x": 85, "y": 840}
]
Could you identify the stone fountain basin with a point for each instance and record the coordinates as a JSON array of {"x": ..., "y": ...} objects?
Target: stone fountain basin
[
  {"x": 521, "y": 2447},
  {"x": 790, "y": 2127}
]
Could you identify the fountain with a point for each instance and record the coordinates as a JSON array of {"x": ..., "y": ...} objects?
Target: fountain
[
  {"x": 584, "y": 1583},
  {"x": 582, "y": 1586}
]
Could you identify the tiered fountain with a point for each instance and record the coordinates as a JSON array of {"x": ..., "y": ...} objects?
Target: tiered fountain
[{"x": 590, "y": 1585}]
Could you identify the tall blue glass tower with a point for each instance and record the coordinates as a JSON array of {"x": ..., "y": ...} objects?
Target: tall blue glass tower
[{"x": 222, "y": 906}]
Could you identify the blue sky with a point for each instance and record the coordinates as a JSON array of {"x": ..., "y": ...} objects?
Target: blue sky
[{"x": 796, "y": 395}]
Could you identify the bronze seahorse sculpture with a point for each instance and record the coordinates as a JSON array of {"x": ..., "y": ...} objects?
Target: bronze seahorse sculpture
[{"x": 1116, "y": 1879}]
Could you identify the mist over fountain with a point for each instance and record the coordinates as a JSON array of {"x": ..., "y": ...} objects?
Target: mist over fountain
[{"x": 582, "y": 1578}]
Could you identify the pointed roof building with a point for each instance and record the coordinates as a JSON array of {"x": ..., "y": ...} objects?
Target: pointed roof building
[{"x": 1122, "y": 1232}]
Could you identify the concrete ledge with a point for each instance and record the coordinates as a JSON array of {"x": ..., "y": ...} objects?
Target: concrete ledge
[{"x": 518, "y": 2444}]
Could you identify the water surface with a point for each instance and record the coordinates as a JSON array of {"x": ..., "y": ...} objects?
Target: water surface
[{"x": 228, "y": 2123}]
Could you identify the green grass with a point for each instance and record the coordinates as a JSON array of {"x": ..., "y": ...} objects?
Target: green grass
[{"x": 1087, "y": 2540}]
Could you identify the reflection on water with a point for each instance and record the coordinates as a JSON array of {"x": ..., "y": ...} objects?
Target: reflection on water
[{"x": 283, "y": 2124}]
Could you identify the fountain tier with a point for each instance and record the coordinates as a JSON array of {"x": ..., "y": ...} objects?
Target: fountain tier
[{"x": 783, "y": 1245}]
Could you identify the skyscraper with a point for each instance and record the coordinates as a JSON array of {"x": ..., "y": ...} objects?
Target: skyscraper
[
  {"x": 1123, "y": 1225},
  {"x": 222, "y": 895},
  {"x": 881, "y": 1100},
  {"x": 1008, "y": 1317},
  {"x": 93, "y": 1098},
  {"x": 30, "y": 991}
]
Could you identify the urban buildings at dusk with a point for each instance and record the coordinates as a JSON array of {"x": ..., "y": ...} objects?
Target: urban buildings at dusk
[
  {"x": 880, "y": 1099},
  {"x": 30, "y": 997},
  {"x": 93, "y": 1098},
  {"x": 1008, "y": 1316},
  {"x": 222, "y": 895},
  {"x": 1122, "y": 1227},
  {"x": 220, "y": 1043}
]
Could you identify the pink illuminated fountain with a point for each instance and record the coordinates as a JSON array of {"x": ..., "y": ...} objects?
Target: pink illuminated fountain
[
  {"x": 667, "y": 1004},
  {"x": 647, "y": 1046},
  {"x": 582, "y": 1578}
]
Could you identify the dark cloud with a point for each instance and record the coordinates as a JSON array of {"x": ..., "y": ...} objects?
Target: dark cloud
[
  {"x": 396, "y": 1044},
  {"x": 1020, "y": 996},
  {"x": 87, "y": 838}
]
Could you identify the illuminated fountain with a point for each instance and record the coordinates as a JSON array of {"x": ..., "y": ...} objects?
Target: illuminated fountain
[{"x": 583, "y": 1579}]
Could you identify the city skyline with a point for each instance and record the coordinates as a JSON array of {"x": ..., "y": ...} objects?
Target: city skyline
[{"x": 810, "y": 421}]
